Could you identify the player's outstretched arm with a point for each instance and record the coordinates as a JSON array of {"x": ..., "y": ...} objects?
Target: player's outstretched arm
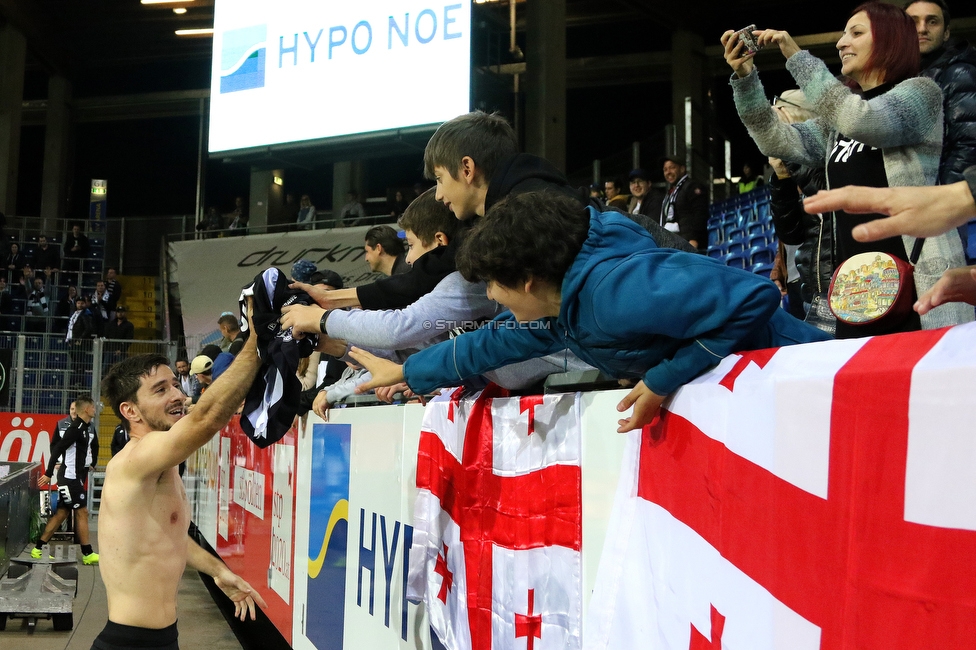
[
  {"x": 235, "y": 587},
  {"x": 161, "y": 450}
]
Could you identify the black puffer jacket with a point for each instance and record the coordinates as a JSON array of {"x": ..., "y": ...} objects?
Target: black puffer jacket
[
  {"x": 954, "y": 69},
  {"x": 813, "y": 233}
]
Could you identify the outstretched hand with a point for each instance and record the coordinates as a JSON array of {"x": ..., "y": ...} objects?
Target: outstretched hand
[
  {"x": 383, "y": 371},
  {"x": 239, "y": 591},
  {"x": 646, "y": 405},
  {"x": 302, "y": 319},
  {"x": 955, "y": 285},
  {"x": 914, "y": 211}
]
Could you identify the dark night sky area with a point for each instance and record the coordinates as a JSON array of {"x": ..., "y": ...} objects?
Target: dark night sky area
[{"x": 151, "y": 165}]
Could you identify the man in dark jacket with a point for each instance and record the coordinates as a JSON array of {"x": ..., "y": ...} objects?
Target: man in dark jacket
[
  {"x": 685, "y": 207},
  {"x": 952, "y": 65},
  {"x": 81, "y": 328}
]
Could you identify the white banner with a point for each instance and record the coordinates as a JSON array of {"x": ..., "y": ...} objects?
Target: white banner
[
  {"x": 211, "y": 272},
  {"x": 249, "y": 491},
  {"x": 281, "y": 520},
  {"x": 223, "y": 505}
]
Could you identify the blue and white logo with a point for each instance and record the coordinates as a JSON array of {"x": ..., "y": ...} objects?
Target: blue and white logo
[{"x": 242, "y": 58}]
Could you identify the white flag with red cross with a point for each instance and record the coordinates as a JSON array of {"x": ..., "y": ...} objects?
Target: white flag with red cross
[
  {"x": 498, "y": 524},
  {"x": 813, "y": 497}
]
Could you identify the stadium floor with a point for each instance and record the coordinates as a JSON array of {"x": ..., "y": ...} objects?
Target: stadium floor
[{"x": 201, "y": 624}]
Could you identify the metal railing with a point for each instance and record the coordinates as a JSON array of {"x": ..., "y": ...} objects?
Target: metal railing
[{"x": 49, "y": 372}]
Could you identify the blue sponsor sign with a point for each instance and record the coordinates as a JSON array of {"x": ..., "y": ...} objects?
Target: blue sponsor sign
[
  {"x": 327, "y": 531},
  {"x": 242, "y": 58}
]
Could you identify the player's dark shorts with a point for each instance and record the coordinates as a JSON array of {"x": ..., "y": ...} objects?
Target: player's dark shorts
[
  {"x": 128, "y": 637},
  {"x": 72, "y": 494}
]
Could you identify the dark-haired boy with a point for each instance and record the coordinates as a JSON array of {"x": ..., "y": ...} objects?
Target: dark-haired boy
[
  {"x": 454, "y": 304},
  {"x": 384, "y": 251},
  {"x": 143, "y": 492},
  {"x": 475, "y": 161},
  {"x": 607, "y": 292}
]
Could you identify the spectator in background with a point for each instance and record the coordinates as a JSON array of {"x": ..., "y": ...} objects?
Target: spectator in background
[
  {"x": 211, "y": 223},
  {"x": 187, "y": 382},
  {"x": 37, "y": 308},
  {"x": 352, "y": 210},
  {"x": 201, "y": 369},
  {"x": 615, "y": 196},
  {"x": 46, "y": 258},
  {"x": 117, "y": 329},
  {"x": 230, "y": 330},
  {"x": 812, "y": 235},
  {"x": 99, "y": 303},
  {"x": 6, "y": 300},
  {"x": 952, "y": 65},
  {"x": 748, "y": 181},
  {"x": 81, "y": 329},
  {"x": 306, "y": 213},
  {"x": 66, "y": 306},
  {"x": 644, "y": 199},
  {"x": 685, "y": 207},
  {"x": 384, "y": 251},
  {"x": 237, "y": 226},
  {"x": 114, "y": 289},
  {"x": 37, "y": 303},
  {"x": 397, "y": 205},
  {"x": 14, "y": 264},
  {"x": 75, "y": 249},
  {"x": 596, "y": 191},
  {"x": 120, "y": 328}
]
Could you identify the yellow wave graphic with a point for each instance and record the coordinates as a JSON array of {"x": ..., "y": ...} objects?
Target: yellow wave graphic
[{"x": 339, "y": 512}]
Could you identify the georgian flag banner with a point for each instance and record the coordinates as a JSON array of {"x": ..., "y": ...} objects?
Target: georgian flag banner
[
  {"x": 814, "y": 497},
  {"x": 498, "y": 524}
]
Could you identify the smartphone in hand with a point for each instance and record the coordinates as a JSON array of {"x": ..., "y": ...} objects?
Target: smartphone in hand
[{"x": 749, "y": 44}]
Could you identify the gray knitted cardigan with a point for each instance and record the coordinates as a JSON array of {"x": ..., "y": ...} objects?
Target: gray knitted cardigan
[{"x": 905, "y": 123}]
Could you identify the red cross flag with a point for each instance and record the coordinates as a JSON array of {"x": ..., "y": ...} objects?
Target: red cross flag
[
  {"x": 813, "y": 497},
  {"x": 498, "y": 526}
]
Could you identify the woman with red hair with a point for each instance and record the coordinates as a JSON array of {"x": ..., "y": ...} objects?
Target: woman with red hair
[{"x": 882, "y": 128}]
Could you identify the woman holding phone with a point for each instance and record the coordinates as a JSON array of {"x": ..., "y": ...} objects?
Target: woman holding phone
[{"x": 882, "y": 128}]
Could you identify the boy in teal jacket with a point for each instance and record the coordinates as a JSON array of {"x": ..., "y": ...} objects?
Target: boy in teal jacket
[{"x": 598, "y": 284}]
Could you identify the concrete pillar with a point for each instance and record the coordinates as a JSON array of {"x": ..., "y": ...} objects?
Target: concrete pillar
[
  {"x": 348, "y": 176},
  {"x": 545, "y": 68},
  {"x": 13, "y": 54},
  {"x": 688, "y": 80},
  {"x": 57, "y": 138},
  {"x": 267, "y": 198}
]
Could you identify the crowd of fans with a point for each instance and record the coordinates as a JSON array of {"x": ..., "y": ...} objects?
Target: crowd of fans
[{"x": 505, "y": 272}]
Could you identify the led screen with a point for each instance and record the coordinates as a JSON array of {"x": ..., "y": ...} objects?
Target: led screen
[{"x": 296, "y": 70}]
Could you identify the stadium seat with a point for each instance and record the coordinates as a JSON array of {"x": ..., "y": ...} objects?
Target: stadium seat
[
  {"x": 718, "y": 252},
  {"x": 53, "y": 379},
  {"x": 734, "y": 233},
  {"x": 34, "y": 341},
  {"x": 764, "y": 270},
  {"x": 714, "y": 236},
  {"x": 737, "y": 260},
  {"x": 756, "y": 228},
  {"x": 57, "y": 360},
  {"x": 93, "y": 266},
  {"x": 758, "y": 240},
  {"x": 32, "y": 359},
  {"x": 762, "y": 210},
  {"x": 736, "y": 245},
  {"x": 31, "y": 378},
  {"x": 761, "y": 255}
]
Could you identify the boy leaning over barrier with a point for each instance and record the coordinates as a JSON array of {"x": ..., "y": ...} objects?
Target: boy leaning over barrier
[{"x": 601, "y": 287}]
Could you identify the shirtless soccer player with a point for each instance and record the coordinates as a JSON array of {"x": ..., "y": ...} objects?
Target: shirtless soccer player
[{"x": 144, "y": 515}]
